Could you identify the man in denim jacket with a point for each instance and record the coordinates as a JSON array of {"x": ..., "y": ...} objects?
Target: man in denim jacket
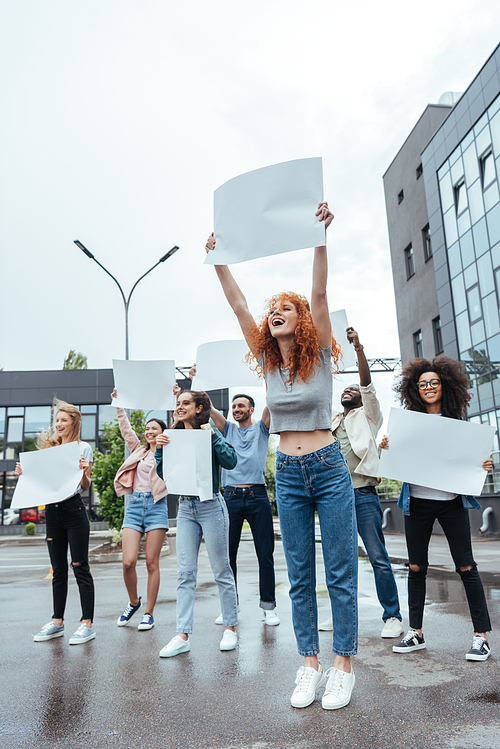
[{"x": 356, "y": 429}]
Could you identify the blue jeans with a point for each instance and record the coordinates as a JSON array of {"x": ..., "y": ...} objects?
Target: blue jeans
[
  {"x": 210, "y": 520},
  {"x": 251, "y": 503},
  {"x": 319, "y": 481},
  {"x": 369, "y": 517}
]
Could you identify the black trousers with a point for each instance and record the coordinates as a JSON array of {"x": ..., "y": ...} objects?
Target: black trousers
[
  {"x": 67, "y": 523},
  {"x": 454, "y": 520}
]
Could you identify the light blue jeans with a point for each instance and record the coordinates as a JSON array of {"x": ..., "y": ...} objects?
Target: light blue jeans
[
  {"x": 210, "y": 520},
  {"x": 369, "y": 518},
  {"x": 319, "y": 481}
]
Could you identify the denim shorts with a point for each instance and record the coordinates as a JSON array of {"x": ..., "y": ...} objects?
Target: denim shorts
[{"x": 143, "y": 514}]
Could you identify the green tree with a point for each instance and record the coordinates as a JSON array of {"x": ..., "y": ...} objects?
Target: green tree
[
  {"x": 107, "y": 461},
  {"x": 389, "y": 489},
  {"x": 75, "y": 360}
]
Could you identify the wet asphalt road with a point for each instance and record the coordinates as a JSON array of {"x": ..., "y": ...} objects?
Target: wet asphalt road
[{"x": 116, "y": 692}]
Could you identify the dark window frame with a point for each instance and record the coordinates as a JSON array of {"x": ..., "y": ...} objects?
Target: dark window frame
[
  {"x": 426, "y": 242},
  {"x": 409, "y": 261},
  {"x": 401, "y": 196},
  {"x": 438, "y": 336},
  {"x": 419, "y": 171},
  {"x": 456, "y": 193},
  {"x": 482, "y": 161},
  {"x": 418, "y": 344}
]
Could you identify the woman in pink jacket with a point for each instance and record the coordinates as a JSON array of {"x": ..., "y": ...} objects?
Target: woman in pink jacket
[{"x": 146, "y": 513}]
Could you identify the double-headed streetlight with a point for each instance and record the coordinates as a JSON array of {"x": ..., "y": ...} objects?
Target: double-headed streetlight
[{"x": 126, "y": 301}]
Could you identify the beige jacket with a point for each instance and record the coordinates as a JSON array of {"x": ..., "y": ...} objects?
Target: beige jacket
[
  {"x": 124, "y": 479},
  {"x": 362, "y": 426}
]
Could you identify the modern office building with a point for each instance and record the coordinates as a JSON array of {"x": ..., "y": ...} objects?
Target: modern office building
[
  {"x": 26, "y": 408},
  {"x": 443, "y": 211}
]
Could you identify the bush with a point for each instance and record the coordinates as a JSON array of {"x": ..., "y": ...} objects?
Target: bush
[
  {"x": 106, "y": 465},
  {"x": 30, "y": 529}
]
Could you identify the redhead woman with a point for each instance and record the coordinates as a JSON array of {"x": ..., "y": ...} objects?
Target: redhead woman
[
  {"x": 146, "y": 513},
  {"x": 67, "y": 523},
  {"x": 439, "y": 388},
  {"x": 294, "y": 347},
  {"x": 195, "y": 519}
]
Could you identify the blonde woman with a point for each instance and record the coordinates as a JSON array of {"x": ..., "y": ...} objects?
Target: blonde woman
[{"x": 67, "y": 523}]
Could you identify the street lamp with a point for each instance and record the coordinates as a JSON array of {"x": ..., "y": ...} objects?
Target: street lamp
[{"x": 126, "y": 301}]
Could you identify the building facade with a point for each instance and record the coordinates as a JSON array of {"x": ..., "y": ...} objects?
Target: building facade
[{"x": 443, "y": 210}]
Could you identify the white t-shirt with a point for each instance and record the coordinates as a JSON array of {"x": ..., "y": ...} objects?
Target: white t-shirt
[{"x": 87, "y": 453}]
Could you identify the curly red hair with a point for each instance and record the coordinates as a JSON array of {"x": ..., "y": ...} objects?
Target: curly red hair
[{"x": 305, "y": 353}]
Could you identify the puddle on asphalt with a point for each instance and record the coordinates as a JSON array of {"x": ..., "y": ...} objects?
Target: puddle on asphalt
[{"x": 491, "y": 697}]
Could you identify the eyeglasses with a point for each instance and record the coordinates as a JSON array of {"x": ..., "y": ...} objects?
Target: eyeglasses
[{"x": 431, "y": 383}]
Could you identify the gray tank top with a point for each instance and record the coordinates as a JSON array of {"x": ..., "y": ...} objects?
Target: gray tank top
[{"x": 301, "y": 406}]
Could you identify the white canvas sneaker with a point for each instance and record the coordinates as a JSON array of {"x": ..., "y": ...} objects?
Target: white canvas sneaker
[
  {"x": 338, "y": 689},
  {"x": 393, "y": 627},
  {"x": 308, "y": 681},
  {"x": 175, "y": 646}
]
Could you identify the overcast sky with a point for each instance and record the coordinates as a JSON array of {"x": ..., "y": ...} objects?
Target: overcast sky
[{"x": 120, "y": 119}]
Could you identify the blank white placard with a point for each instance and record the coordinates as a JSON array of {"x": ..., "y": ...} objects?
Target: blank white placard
[
  {"x": 187, "y": 462},
  {"x": 49, "y": 476},
  {"x": 221, "y": 364},
  {"x": 339, "y": 323},
  {"x": 146, "y": 385},
  {"x": 436, "y": 452},
  {"x": 268, "y": 211}
]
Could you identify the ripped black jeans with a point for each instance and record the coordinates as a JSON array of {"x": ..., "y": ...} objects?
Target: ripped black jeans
[
  {"x": 453, "y": 517},
  {"x": 67, "y": 523}
]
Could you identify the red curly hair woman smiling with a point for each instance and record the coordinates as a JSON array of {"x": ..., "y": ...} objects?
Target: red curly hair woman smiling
[{"x": 293, "y": 346}]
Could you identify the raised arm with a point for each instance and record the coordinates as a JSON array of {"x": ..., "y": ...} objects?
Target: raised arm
[
  {"x": 364, "y": 370},
  {"x": 128, "y": 434},
  {"x": 319, "y": 301},
  {"x": 234, "y": 295},
  {"x": 218, "y": 419}
]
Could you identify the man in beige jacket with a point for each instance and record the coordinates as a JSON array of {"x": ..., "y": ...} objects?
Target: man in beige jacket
[{"x": 356, "y": 429}]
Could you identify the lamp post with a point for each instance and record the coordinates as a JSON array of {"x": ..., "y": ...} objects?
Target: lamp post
[{"x": 126, "y": 301}]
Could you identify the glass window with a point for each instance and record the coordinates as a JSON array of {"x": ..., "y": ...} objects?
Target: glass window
[
  {"x": 14, "y": 429},
  {"x": 438, "y": 339},
  {"x": 419, "y": 171},
  {"x": 471, "y": 165},
  {"x": 426, "y": 241},
  {"x": 88, "y": 427},
  {"x": 470, "y": 276},
  {"x": 463, "y": 331},
  {"x": 15, "y": 411},
  {"x": 491, "y": 196},
  {"x": 450, "y": 227},
  {"x": 487, "y": 169},
  {"x": 474, "y": 304},
  {"x": 494, "y": 349},
  {"x": 477, "y": 333},
  {"x": 495, "y": 133},
  {"x": 480, "y": 124},
  {"x": 460, "y": 197},
  {"x": 463, "y": 223},
  {"x": 107, "y": 414},
  {"x": 481, "y": 243},
  {"x": 457, "y": 170},
  {"x": 493, "y": 219},
  {"x": 495, "y": 255},
  {"x": 36, "y": 418},
  {"x": 490, "y": 310},
  {"x": 401, "y": 196},
  {"x": 455, "y": 155},
  {"x": 459, "y": 299},
  {"x": 467, "y": 249},
  {"x": 469, "y": 138},
  {"x": 443, "y": 170},
  {"x": 410, "y": 262},
  {"x": 417, "y": 344},
  {"x": 2, "y": 420},
  {"x": 476, "y": 204},
  {"x": 483, "y": 140},
  {"x": 88, "y": 409},
  {"x": 486, "y": 282},
  {"x": 454, "y": 262},
  {"x": 446, "y": 191}
]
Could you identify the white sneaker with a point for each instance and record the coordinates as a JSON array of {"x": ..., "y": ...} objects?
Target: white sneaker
[
  {"x": 308, "y": 680},
  {"x": 175, "y": 646},
  {"x": 338, "y": 689},
  {"x": 82, "y": 634},
  {"x": 271, "y": 617},
  {"x": 393, "y": 627},
  {"x": 229, "y": 640},
  {"x": 219, "y": 619},
  {"x": 326, "y": 626}
]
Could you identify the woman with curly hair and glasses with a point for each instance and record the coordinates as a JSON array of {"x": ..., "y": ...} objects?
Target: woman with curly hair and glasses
[
  {"x": 440, "y": 388},
  {"x": 294, "y": 347}
]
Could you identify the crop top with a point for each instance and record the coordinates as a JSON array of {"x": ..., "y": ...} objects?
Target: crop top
[{"x": 301, "y": 406}]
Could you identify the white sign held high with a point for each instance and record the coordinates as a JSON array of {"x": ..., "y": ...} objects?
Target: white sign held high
[
  {"x": 221, "y": 364},
  {"x": 267, "y": 212},
  {"x": 339, "y": 323},
  {"x": 147, "y": 385}
]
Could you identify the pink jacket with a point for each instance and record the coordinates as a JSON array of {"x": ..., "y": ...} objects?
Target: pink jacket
[{"x": 124, "y": 479}]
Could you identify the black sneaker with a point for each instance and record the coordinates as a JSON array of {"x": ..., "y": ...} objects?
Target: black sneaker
[
  {"x": 479, "y": 651},
  {"x": 410, "y": 642}
]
